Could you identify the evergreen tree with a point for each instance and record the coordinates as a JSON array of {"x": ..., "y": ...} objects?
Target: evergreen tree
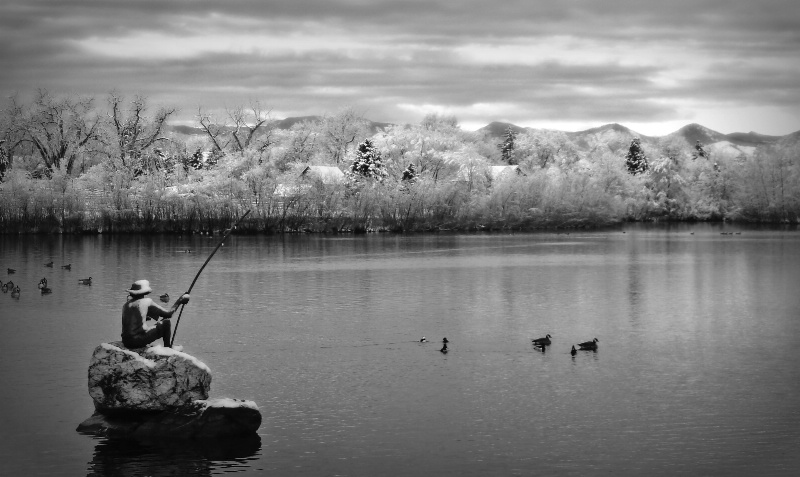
[
  {"x": 368, "y": 162},
  {"x": 699, "y": 151},
  {"x": 410, "y": 174},
  {"x": 635, "y": 160},
  {"x": 196, "y": 161},
  {"x": 507, "y": 146}
]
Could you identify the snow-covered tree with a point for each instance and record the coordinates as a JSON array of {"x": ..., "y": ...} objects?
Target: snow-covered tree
[
  {"x": 635, "y": 159},
  {"x": 410, "y": 173},
  {"x": 699, "y": 151},
  {"x": 507, "y": 146},
  {"x": 368, "y": 162}
]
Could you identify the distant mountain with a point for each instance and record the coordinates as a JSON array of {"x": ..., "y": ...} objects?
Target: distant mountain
[
  {"x": 789, "y": 140},
  {"x": 605, "y": 129},
  {"x": 282, "y": 124},
  {"x": 752, "y": 138},
  {"x": 498, "y": 129},
  {"x": 693, "y": 133},
  {"x": 614, "y": 136},
  {"x": 289, "y": 122},
  {"x": 184, "y": 130}
]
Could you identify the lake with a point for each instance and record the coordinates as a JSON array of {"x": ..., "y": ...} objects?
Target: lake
[{"x": 697, "y": 370}]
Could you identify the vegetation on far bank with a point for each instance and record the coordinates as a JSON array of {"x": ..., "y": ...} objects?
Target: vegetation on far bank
[{"x": 75, "y": 165}]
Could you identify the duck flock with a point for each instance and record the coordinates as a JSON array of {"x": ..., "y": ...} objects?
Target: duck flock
[
  {"x": 44, "y": 289},
  {"x": 539, "y": 344}
]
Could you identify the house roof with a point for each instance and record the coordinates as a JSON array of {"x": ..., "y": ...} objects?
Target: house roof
[
  {"x": 326, "y": 174},
  {"x": 498, "y": 172}
]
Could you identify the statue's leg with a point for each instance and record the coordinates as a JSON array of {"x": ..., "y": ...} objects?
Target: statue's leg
[{"x": 166, "y": 329}]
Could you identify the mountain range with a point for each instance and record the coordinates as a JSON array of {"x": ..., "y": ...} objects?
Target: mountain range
[{"x": 614, "y": 136}]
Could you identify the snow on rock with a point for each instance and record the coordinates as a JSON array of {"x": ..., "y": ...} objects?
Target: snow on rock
[
  {"x": 145, "y": 379},
  {"x": 228, "y": 402}
]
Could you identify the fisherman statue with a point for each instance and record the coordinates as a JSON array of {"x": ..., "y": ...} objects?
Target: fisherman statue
[{"x": 140, "y": 308}]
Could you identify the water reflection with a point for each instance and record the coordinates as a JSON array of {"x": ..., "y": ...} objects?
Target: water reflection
[{"x": 130, "y": 457}]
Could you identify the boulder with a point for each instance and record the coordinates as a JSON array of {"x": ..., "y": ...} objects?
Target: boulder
[
  {"x": 200, "y": 419},
  {"x": 145, "y": 379}
]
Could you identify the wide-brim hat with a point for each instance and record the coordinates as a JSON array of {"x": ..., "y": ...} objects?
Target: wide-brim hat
[{"x": 140, "y": 287}]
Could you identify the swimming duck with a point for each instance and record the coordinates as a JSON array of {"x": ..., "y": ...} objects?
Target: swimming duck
[
  {"x": 164, "y": 297},
  {"x": 11, "y": 270},
  {"x": 49, "y": 264},
  {"x": 85, "y": 281},
  {"x": 4, "y": 287},
  {"x": 67, "y": 266},
  {"x": 8, "y": 286},
  {"x": 589, "y": 344},
  {"x": 573, "y": 351},
  {"x": 445, "y": 341},
  {"x": 42, "y": 283},
  {"x": 423, "y": 340},
  {"x": 15, "y": 292},
  {"x": 542, "y": 341}
]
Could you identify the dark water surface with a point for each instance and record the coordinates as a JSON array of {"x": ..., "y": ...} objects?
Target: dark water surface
[{"x": 697, "y": 373}]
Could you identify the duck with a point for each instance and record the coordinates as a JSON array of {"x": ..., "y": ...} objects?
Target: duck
[
  {"x": 11, "y": 270},
  {"x": 49, "y": 264},
  {"x": 15, "y": 292},
  {"x": 164, "y": 297},
  {"x": 589, "y": 344},
  {"x": 42, "y": 283},
  {"x": 4, "y": 288},
  {"x": 423, "y": 340},
  {"x": 67, "y": 266},
  {"x": 573, "y": 351},
  {"x": 542, "y": 341},
  {"x": 85, "y": 281}
]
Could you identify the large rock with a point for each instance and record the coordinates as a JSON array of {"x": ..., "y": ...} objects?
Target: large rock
[
  {"x": 145, "y": 379},
  {"x": 200, "y": 419}
]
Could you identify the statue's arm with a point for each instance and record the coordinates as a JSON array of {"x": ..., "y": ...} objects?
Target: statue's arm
[{"x": 156, "y": 310}]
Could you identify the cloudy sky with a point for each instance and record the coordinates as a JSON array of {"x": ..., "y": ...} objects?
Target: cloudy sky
[{"x": 654, "y": 66}]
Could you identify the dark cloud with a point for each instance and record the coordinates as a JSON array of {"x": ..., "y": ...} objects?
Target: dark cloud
[{"x": 403, "y": 53}]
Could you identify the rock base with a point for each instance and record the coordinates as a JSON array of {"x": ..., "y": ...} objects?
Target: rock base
[
  {"x": 145, "y": 379},
  {"x": 201, "y": 419}
]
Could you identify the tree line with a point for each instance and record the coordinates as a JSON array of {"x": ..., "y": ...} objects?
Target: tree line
[{"x": 71, "y": 164}]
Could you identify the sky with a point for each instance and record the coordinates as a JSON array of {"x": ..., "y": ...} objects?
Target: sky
[{"x": 653, "y": 66}]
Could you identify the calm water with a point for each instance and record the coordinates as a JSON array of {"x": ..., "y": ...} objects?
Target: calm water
[{"x": 697, "y": 373}]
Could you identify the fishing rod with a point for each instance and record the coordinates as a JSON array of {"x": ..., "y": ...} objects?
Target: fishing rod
[{"x": 175, "y": 331}]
